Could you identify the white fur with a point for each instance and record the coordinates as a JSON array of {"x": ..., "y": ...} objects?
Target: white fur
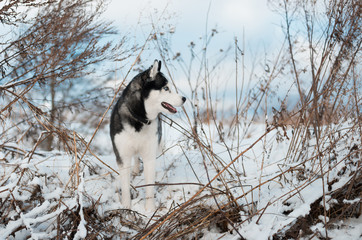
[
  {"x": 153, "y": 102},
  {"x": 131, "y": 145},
  {"x": 154, "y": 69}
]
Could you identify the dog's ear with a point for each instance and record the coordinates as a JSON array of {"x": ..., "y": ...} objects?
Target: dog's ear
[
  {"x": 156, "y": 67},
  {"x": 159, "y": 65}
]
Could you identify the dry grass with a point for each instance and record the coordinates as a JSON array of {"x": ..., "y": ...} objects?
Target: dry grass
[{"x": 322, "y": 132}]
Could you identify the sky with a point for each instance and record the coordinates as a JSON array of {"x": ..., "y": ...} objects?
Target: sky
[{"x": 232, "y": 18}]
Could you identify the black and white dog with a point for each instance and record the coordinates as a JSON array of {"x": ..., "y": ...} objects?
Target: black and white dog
[{"x": 136, "y": 127}]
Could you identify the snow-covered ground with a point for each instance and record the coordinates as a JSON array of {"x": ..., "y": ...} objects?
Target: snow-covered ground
[{"x": 271, "y": 186}]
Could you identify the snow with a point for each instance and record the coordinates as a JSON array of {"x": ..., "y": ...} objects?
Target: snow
[
  {"x": 350, "y": 229},
  {"x": 271, "y": 188},
  {"x": 82, "y": 231}
]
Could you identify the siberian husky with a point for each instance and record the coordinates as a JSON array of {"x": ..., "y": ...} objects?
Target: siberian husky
[{"x": 135, "y": 128}]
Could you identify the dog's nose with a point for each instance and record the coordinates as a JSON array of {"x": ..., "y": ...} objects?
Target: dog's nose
[{"x": 183, "y": 99}]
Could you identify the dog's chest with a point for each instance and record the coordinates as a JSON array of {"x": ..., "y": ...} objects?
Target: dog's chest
[{"x": 135, "y": 142}]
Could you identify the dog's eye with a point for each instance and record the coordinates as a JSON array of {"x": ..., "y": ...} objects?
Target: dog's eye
[{"x": 166, "y": 88}]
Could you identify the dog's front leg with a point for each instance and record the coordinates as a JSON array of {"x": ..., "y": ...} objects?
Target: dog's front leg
[
  {"x": 124, "y": 179},
  {"x": 149, "y": 170}
]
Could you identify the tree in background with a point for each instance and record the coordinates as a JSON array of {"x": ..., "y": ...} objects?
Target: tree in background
[{"x": 52, "y": 61}]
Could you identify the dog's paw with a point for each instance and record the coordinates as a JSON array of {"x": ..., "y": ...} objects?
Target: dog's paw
[{"x": 126, "y": 203}]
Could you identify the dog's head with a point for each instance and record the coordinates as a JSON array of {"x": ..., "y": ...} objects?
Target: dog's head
[{"x": 157, "y": 93}]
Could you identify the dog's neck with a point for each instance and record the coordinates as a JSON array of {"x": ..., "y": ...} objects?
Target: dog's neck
[{"x": 138, "y": 118}]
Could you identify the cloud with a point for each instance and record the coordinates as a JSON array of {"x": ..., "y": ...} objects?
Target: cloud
[
  {"x": 253, "y": 15},
  {"x": 232, "y": 18},
  {"x": 230, "y": 15}
]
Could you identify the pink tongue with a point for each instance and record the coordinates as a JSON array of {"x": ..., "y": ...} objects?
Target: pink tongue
[{"x": 169, "y": 107}]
